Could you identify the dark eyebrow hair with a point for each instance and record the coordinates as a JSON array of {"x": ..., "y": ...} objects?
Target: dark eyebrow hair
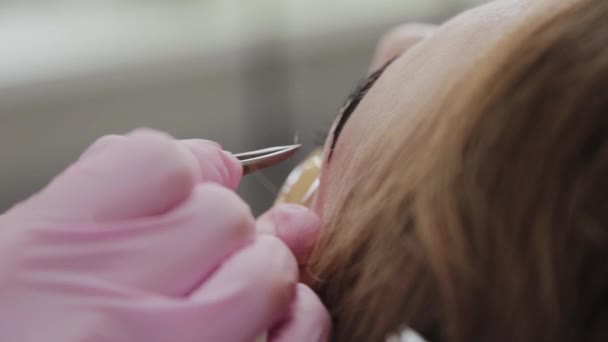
[{"x": 353, "y": 101}]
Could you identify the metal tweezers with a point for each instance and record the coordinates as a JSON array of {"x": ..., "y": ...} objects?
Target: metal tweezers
[{"x": 261, "y": 159}]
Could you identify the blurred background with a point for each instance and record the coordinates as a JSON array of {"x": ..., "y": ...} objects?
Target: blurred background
[{"x": 246, "y": 73}]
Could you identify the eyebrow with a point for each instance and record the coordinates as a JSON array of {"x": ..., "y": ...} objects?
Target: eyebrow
[{"x": 352, "y": 101}]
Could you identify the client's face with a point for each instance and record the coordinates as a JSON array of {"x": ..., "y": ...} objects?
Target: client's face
[{"x": 413, "y": 84}]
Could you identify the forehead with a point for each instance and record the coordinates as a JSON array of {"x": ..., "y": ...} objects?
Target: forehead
[
  {"x": 415, "y": 84},
  {"x": 426, "y": 73}
]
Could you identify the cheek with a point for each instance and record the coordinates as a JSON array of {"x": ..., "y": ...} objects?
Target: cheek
[
  {"x": 324, "y": 177},
  {"x": 319, "y": 200},
  {"x": 325, "y": 200},
  {"x": 332, "y": 181}
]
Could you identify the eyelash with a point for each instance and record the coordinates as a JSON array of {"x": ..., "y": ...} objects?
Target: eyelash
[{"x": 351, "y": 103}]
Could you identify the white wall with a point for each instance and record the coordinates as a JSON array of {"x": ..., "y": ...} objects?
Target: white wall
[{"x": 242, "y": 75}]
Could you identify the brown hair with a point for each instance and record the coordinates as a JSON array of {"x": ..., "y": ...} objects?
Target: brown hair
[{"x": 490, "y": 221}]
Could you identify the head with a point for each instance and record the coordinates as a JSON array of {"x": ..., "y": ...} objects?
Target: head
[{"x": 464, "y": 195}]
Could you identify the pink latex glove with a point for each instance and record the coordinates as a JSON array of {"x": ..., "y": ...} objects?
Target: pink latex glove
[{"x": 143, "y": 239}]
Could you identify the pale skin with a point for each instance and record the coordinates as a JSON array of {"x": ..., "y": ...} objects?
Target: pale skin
[{"x": 430, "y": 61}]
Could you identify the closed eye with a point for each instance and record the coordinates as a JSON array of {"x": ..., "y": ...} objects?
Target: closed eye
[{"x": 352, "y": 102}]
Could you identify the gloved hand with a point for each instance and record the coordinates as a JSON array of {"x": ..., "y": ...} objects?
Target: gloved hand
[{"x": 143, "y": 239}]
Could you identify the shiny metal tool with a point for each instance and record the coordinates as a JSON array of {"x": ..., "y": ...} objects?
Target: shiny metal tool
[{"x": 261, "y": 159}]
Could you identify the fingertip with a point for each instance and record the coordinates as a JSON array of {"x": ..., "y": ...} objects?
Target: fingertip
[
  {"x": 216, "y": 165},
  {"x": 282, "y": 282},
  {"x": 278, "y": 270},
  {"x": 309, "y": 320},
  {"x": 149, "y": 132},
  {"x": 201, "y": 142},
  {"x": 297, "y": 226},
  {"x": 226, "y": 210},
  {"x": 260, "y": 278},
  {"x": 234, "y": 170},
  {"x": 101, "y": 144}
]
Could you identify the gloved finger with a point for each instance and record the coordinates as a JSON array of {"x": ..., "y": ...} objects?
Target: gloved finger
[
  {"x": 229, "y": 177},
  {"x": 142, "y": 174},
  {"x": 200, "y": 147},
  {"x": 308, "y": 320},
  {"x": 297, "y": 226},
  {"x": 261, "y": 279},
  {"x": 241, "y": 300},
  {"x": 399, "y": 40},
  {"x": 169, "y": 254}
]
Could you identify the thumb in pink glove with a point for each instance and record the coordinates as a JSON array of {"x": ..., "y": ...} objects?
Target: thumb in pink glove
[
  {"x": 142, "y": 240},
  {"x": 298, "y": 227}
]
